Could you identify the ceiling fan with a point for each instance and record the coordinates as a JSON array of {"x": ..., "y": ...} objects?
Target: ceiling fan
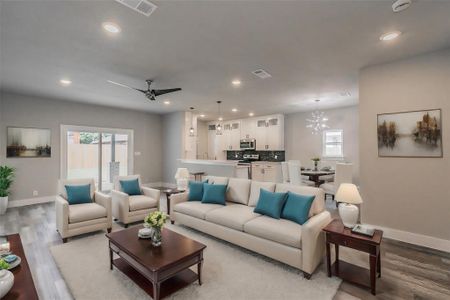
[{"x": 151, "y": 94}]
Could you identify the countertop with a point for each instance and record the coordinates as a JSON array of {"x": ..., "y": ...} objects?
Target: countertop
[{"x": 231, "y": 163}]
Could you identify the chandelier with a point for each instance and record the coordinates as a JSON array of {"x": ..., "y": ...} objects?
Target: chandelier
[{"x": 318, "y": 121}]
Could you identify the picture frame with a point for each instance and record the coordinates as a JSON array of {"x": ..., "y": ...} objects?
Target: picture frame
[
  {"x": 415, "y": 134},
  {"x": 28, "y": 142}
]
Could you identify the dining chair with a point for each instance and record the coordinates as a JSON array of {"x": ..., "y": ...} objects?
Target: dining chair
[
  {"x": 285, "y": 172},
  {"x": 344, "y": 174},
  {"x": 295, "y": 174}
]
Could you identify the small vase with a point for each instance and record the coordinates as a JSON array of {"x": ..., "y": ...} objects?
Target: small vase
[
  {"x": 156, "y": 236},
  {"x": 316, "y": 163},
  {"x": 6, "y": 282}
]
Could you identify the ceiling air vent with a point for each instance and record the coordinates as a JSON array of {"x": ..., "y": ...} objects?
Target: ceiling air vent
[
  {"x": 261, "y": 74},
  {"x": 141, "y": 6}
]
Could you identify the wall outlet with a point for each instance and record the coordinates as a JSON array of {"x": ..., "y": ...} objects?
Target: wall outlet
[{"x": 35, "y": 193}]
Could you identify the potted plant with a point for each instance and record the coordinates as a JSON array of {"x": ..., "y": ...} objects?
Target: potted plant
[
  {"x": 316, "y": 162},
  {"x": 6, "y": 180},
  {"x": 155, "y": 220},
  {"x": 6, "y": 278}
]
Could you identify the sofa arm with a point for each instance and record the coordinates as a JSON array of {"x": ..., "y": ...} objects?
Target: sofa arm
[
  {"x": 152, "y": 193},
  {"x": 120, "y": 205},
  {"x": 175, "y": 199},
  {"x": 313, "y": 241},
  {"x": 62, "y": 215},
  {"x": 105, "y": 201}
]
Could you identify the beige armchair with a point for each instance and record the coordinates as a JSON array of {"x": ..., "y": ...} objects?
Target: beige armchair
[
  {"x": 72, "y": 220},
  {"x": 128, "y": 209}
]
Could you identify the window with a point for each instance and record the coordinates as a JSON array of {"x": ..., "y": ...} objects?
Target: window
[
  {"x": 333, "y": 143},
  {"x": 99, "y": 153}
]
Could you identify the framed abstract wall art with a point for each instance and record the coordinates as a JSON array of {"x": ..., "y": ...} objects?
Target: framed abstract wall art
[
  {"x": 410, "y": 134},
  {"x": 28, "y": 142}
]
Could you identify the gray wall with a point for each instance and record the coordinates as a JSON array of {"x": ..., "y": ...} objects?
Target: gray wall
[
  {"x": 409, "y": 194},
  {"x": 41, "y": 174},
  {"x": 301, "y": 144},
  {"x": 173, "y": 134}
]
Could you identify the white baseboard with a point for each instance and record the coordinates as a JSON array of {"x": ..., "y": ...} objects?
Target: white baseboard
[
  {"x": 414, "y": 238},
  {"x": 30, "y": 201}
]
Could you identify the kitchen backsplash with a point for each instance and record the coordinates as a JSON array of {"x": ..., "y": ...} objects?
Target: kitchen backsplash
[{"x": 263, "y": 155}]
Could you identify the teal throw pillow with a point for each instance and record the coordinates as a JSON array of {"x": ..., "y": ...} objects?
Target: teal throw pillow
[
  {"x": 131, "y": 187},
  {"x": 214, "y": 193},
  {"x": 196, "y": 190},
  {"x": 78, "y": 194},
  {"x": 297, "y": 208},
  {"x": 270, "y": 204}
]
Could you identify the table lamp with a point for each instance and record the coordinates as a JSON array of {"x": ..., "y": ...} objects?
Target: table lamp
[
  {"x": 182, "y": 177},
  {"x": 348, "y": 195}
]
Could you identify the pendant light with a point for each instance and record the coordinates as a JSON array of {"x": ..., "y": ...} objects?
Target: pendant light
[
  {"x": 191, "y": 130},
  {"x": 219, "y": 124},
  {"x": 318, "y": 121}
]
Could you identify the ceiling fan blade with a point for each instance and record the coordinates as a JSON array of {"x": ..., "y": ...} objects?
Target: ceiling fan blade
[
  {"x": 126, "y": 86},
  {"x": 166, "y": 91}
]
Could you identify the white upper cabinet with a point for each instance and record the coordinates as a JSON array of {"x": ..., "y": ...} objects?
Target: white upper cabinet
[
  {"x": 269, "y": 133},
  {"x": 248, "y": 127}
]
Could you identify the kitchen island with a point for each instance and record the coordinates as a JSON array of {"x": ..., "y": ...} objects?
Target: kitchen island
[{"x": 226, "y": 168}]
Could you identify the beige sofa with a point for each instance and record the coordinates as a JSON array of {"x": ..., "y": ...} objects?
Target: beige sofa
[
  {"x": 301, "y": 246},
  {"x": 129, "y": 209},
  {"x": 77, "y": 219}
]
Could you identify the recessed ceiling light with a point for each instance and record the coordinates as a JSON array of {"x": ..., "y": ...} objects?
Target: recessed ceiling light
[
  {"x": 65, "y": 82},
  {"x": 236, "y": 82},
  {"x": 167, "y": 102},
  {"x": 389, "y": 36},
  {"x": 202, "y": 116},
  {"x": 220, "y": 119},
  {"x": 251, "y": 114},
  {"x": 234, "y": 110},
  {"x": 111, "y": 27}
]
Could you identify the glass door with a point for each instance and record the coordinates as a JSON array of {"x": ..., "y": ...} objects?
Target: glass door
[{"x": 99, "y": 153}]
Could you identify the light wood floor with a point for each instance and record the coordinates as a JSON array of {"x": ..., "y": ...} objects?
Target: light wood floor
[{"x": 408, "y": 272}]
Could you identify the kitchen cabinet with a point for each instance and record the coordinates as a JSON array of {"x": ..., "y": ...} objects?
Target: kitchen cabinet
[
  {"x": 266, "y": 171},
  {"x": 248, "y": 127},
  {"x": 231, "y": 135},
  {"x": 269, "y": 133}
]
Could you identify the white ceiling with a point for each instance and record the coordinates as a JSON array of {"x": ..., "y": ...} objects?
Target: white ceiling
[{"x": 313, "y": 49}]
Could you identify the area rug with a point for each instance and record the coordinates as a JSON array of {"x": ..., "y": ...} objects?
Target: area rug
[{"x": 229, "y": 272}]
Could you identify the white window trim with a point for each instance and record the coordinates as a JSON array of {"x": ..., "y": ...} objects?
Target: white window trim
[
  {"x": 339, "y": 157},
  {"x": 63, "y": 139}
]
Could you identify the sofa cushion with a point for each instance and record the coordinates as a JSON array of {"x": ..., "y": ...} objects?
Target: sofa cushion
[
  {"x": 318, "y": 204},
  {"x": 195, "y": 208},
  {"x": 238, "y": 190},
  {"x": 297, "y": 208},
  {"x": 78, "y": 194},
  {"x": 256, "y": 186},
  {"x": 270, "y": 204},
  {"x": 217, "y": 180},
  {"x": 233, "y": 216},
  {"x": 195, "y": 191},
  {"x": 214, "y": 193},
  {"x": 139, "y": 202},
  {"x": 85, "y": 212},
  {"x": 281, "y": 231},
  {"x": 131, "y": 187}
]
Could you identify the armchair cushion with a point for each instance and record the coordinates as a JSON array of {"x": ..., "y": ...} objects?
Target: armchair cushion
[
  {"x": 139, "y": 202},
  {"x": 85, "y": 212},
  {"x": 78, "y": 194},
  {"x": 131, "y": 187}
]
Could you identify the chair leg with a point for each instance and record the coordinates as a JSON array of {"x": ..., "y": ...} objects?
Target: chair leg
[
  {"x": 307, "y": 275},
  {"x": 125, "y": 225},
  {"x": 109, "y": 230},
  {"x": 64, "y": 240}
]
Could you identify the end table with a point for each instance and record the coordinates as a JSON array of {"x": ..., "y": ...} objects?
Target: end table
[{"x": 339, "y": 235}]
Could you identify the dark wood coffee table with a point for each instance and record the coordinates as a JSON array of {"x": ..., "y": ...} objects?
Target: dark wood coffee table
[
  {"x": 159, "y": 271},
  {"x": 23, "y": 288}
]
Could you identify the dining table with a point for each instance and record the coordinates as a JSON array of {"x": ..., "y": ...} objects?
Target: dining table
[{"x": 314, "y": 175}]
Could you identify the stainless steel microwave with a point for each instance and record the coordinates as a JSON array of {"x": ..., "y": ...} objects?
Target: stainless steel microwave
[{"x": 248, "y": 144}]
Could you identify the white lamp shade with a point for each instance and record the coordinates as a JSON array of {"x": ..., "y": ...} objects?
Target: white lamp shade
[
  {"x": 182, "y": 173},
  {"x": 348, "y": 193}
]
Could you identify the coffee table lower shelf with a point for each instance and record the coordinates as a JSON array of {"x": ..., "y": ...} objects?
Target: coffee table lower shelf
[{"x": 169, "y": 286}]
